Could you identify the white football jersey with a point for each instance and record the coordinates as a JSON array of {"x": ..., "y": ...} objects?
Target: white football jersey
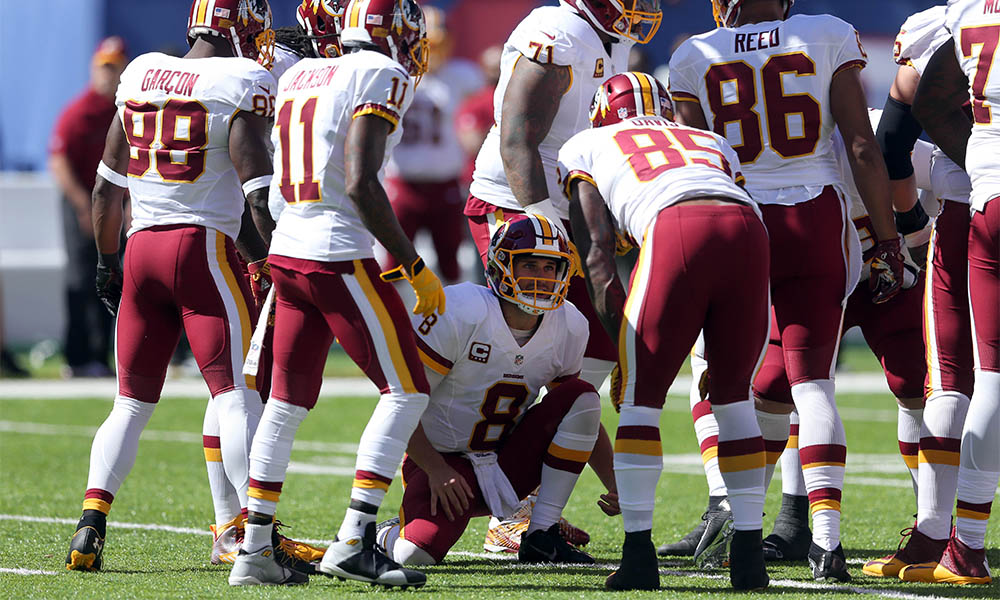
[
  {"x": 176, "y": 113},
  {"x": 766, "y": 88},
  {"x": 429, "y": 149},
  {"x": 645, "y": 164},
  {"x": 284, "y": 59},
  {"x": 482, "y": 381},
  {"x": 560, "y": 36},
  {"x": 318, "y": 98},
  {"x": 919, "y": 37},
  {"x": 975, "y": 26}
]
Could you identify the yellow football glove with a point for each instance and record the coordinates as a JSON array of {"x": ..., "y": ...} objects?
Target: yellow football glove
[{"x": 426, "y": 285}]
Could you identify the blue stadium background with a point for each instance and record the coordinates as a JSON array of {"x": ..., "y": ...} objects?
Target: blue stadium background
[{"x": 45, "y": 47}]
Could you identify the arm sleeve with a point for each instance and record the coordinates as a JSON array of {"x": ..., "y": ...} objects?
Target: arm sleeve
[
  {"x": 381, "y": 92},
  {"x": 897, "y": 132}
]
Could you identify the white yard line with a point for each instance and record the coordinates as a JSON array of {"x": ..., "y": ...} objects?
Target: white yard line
[{"x": 507, "y": 560}]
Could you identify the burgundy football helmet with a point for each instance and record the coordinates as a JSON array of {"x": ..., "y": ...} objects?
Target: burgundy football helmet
[
  {"x": 727, "y": 11},
  {"x": 322, "y": 21},
  {"x": 636, "y": 20},
  {"x": 245, "y": 24},
  {"x": 628, "y": 95},
  {"x": 395, "y": 27},
  {"x": 528, "y": 235}
]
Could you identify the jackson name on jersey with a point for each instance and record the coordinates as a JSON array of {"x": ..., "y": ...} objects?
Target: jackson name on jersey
[
  {"x": 176, "y": 114},
  {"x": 317, "y": 100},
  {"x": 766, "y": 88},
  {"x": 482, "y": 381},
  {"x": 554, "y": 35}
]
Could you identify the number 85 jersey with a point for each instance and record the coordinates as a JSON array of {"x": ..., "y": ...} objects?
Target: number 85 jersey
[
  {"x": 765, "y": 87},
  {"x": 176, "y": 113},
  {"x": 482, "y": 381}
]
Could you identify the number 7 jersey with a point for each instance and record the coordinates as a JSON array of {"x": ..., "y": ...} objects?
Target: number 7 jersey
[{"x": 765, "y": 87}]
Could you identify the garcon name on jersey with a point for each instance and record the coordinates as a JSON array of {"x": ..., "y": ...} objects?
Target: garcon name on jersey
[
  {"x": 751, "y": 42},
  {"x": 171, "y": 82},
  {"x": 311, "y": 78},
  {"x": 991, "y": 6}
]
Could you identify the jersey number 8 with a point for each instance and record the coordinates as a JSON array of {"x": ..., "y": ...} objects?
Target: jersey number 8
[{"x": 485, "y": 436}]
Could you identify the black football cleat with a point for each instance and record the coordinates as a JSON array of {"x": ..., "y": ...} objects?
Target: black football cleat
[
  {"x": 791, "y": 537},
  {"x": 746, "y": 561},
  {"x": 358, "y": 559},
  {"x": 716, "y": 520},
  {"x": 689, "y": 543},
  {"x": 548, "y": 546},
  {"x": 828, "y": 565},
  {"x": 639, "y": 569},
  {"x": 86, "y": 550}
]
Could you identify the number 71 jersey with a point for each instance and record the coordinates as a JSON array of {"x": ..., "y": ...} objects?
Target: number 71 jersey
[
  {"x": 482, "y": 381},
  {"x": 765, "y": 87},
  {"x": 176, "y": 113}
]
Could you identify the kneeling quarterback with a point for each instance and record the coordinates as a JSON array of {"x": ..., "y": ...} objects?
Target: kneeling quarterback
[{"x": 484, "y": 443}]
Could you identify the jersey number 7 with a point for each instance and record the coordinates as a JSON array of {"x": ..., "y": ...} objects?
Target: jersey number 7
[{"x": 986, "y": 36}]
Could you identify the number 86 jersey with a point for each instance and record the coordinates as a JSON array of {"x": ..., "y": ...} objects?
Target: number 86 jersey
[
  {"x": 482, "y": 381},
  {"x": 176, "y": 113},
  {"x": 765, "y": 87}
]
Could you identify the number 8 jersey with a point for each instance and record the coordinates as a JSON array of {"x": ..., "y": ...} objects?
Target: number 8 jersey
[
  {"x": 482, "y": 381},
  {"x": 765, "y": 87},
  {"x": 176, "y": 113}
]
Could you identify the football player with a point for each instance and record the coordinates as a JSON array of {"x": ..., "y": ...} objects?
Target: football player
[
  {"x": 422, "y": 175},
  {"x": 735, "y": 80},
  {"x": 484, "y": 442},
  {"x": 337, "y": 119},
  {"x": 948, "y": 333},
  {"x": 551, "y": 65},
  {"x": 188, "y": 133},
  {"x": 641, "y": 175},
  {"x": 959, "y": 71}
]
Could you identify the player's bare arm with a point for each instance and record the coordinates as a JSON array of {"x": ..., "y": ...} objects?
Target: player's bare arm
[
  {"x": 107, "y": 214},
  {"x": 364, "y": 150},
  {"x": 690, "y": 114},
  {"x": 529, "y": 107},
  {"x": 943, "y": 90},
  {"x": 447, "y": 485},
  {"x": 595, "y": 233},
  {"x": 602, "y": 460},
  {"x": 248, "y": 151}
]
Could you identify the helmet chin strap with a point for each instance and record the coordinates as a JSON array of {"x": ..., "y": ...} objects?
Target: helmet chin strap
[{"x": 236, "y": 41}]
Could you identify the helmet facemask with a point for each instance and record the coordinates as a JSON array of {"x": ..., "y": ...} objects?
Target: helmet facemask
[
  {"x": 640, "y": 22},
  {"x": 521, "y": 238}
]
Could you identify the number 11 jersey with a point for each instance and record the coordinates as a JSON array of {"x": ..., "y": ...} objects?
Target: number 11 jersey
[{"x": 765, "y": 87}]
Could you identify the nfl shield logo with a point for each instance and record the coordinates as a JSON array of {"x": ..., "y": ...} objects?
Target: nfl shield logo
[{"x": 519, "y": 360}]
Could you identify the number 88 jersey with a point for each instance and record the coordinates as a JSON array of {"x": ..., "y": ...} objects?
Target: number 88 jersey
[
  {"x": 765, "y": 87},
  {"x": 176, "y": 113}
]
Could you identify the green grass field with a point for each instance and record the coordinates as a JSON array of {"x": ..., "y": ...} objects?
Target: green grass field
[{"x": 44, "y": 457}]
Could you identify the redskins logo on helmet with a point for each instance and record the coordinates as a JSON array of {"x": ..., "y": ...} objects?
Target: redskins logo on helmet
[
  {"x": 322, "y": 21},
  {"x": 245, "y": 24},
  {"x": 636, "y": 20},
  {"x": 395, "y": 27},
  {"x": 727, "y": 11},
  {"x": 627, "y": 95},
  {"x": 523, "y": 236}
]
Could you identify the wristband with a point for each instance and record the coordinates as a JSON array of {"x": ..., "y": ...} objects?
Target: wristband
[
  {"x": 912, "y": 220},
  {"x": 113, "y": 177},
  {"x": 109, "y": 261},
  {"x": 255, "y": 184}
]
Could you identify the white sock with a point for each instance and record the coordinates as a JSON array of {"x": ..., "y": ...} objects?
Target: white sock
[
  {"x": 408, "y": 553},
  {"x": 257, "y": 537},
  {"x": 638, "y": 463},
  {"x": 774, "y": 429},
  {"x": 741, "y": 462},
  {"x": 116, "y": 443},
  {"x": 937, "y": 472},
  {"x": 908, "y": 423},
  {"x": 706, "y": 428},
  {"x": 980, "y": 463},
  {"x": 575, "y": 437},
  {"x": 823, "y": 452},
  {"x": 792, "y": 481},
  {"x": 270, "y": 453},
  {"x": 225, "y": 500},
  {"x": 380, "y": 453},
  {"x": 239, "y": 412}
]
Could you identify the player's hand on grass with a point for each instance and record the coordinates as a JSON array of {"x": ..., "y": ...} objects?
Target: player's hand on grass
[
  {"x": 450, "y": 489},
  {"x": 609, "y": 504}
]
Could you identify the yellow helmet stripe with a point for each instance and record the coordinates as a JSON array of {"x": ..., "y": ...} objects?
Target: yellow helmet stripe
[
  {"x": 202, "y": 12},
  {"x": 647, "y": 93},
  {"x": 355, "y": 17}
]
